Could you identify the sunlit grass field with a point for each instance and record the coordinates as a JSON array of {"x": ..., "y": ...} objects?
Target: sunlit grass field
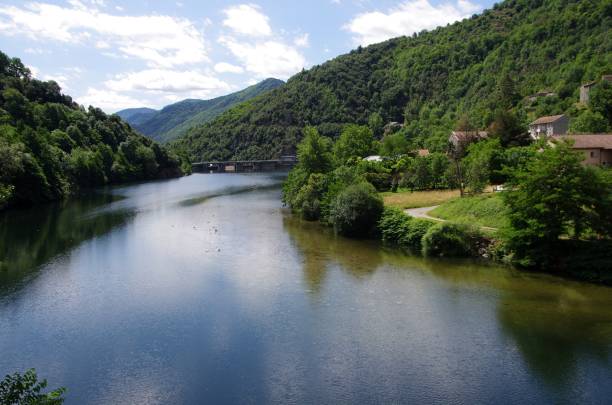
[
  {"x": 481, "y": 210},
  {"x": 405, "y": 199}
]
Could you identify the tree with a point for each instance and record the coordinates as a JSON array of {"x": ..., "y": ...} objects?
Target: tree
[
  {"x": 421, "y": 173},
  {"x": 355, "y": 141},
  {"x": 394, "y": 145},
  {"x": 26, "y": 389},
  {"x": 600, "y": 100},
  {"x": 552, "y": 195},
  {"x": 438, "y": 167},
  {"x": 589, "y": 122},
  {"x": 508, "y": 129},
  {"x": 314, "y": 152},
  {"x": 376, "y": 124},
  {"x": 356, "y": 210},
  {"x": 508, "y": 94}
]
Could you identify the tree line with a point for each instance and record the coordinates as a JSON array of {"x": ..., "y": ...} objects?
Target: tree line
[{"x": 50, "y": 147}]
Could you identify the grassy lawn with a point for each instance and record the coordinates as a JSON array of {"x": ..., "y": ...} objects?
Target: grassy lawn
[
  {"x": 481, "y": 210},
  {"x": 405, "y": 199}
]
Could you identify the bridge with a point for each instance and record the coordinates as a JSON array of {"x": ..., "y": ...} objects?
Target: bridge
[{"x": 245, "y": 166}]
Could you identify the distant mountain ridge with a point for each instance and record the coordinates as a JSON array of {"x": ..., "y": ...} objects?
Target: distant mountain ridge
[
  {"x": 429, "y": 81},
  {"x": 175, "y": 119}
]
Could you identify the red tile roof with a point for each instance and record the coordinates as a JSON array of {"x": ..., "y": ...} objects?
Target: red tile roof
[{"x": 589, "y": 141}]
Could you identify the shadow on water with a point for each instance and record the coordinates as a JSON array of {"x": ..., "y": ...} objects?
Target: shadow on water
[
  {"x": 30, "y": 238},
  {"x": 555, "y": 323}
]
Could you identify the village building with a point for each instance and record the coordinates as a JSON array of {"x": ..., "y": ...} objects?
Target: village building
[
  {"x": 392, "y": 127},
  {"x": 585, "y": 89},
  {"x": 461, "y": 139},
  {"x": 532, "y": 98},
  {"x": 597, "y": 148},
  {"x": 373, "y": 158},
  {"x": 423, "y": 152},
  {"x": 548, "y": 126}
]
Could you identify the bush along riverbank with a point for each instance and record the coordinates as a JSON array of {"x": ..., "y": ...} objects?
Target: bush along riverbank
[{"x": 557, "y": 213}]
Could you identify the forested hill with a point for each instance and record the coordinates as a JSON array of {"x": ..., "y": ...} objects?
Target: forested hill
[
  {"x": 51, "y": 147},
  {"x": 174, "y": 120},
  {"x": 471, "y": 68}
]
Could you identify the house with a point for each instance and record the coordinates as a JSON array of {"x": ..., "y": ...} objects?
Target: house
[
  {"x": 392, "y": 127},
  {"x": 461, "y": 139},
  {"x": 597, "y": 148},
  {"x": 549, "y": 126},
  {"x": 540, "y": 94},
  {"x": 373, "y": 158},
  {"x": 584, "y": 91},
  {"x": 423, "y": 152}
]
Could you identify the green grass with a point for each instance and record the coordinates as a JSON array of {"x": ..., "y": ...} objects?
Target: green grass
[
  {"x": 405, "y": 199},
  {"x": 482, "y": 210}
]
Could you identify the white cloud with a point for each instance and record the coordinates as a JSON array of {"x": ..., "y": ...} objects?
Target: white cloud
[
  {"x": 248, "y": 20},
  {"x": 35, "y": 51},
  {"x": 60, "y": 79},
  {"x": 302, "y": 41},
  {"x": 266, "y": 59},
  {"x": 224, "y": 67},
  {"x": 168, "y": 81},
  {"x": 157, "y": 39},
  {"x": 409, "y": 17},
  {"x": 108, "y": 100},
  {"x": 34, "y": 70}
]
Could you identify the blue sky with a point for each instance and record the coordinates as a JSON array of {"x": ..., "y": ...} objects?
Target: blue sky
[{"x": 115, "y": 54}]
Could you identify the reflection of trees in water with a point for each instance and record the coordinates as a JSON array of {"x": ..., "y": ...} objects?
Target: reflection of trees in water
[
  {"x": 320, "y": 248},
  {"x": 556, "y": 328},
  {"x": 555, "y": 323},
  {"x": 30, "y": 238}
]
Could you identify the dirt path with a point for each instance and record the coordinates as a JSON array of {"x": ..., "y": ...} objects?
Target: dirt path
[{"x": 422, "y": 212}]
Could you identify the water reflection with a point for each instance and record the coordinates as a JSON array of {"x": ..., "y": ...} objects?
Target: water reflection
[
  {"x": 29, "y": 238},
  {"x": 555, "y": 324},
  {"x": 320, "y": 247},
  {"x": 554, "y": 327}
]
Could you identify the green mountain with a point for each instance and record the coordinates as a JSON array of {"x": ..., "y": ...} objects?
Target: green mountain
[
  {"x": 174, "y": 120},
  {"x": 428, "y": 81},
  {"x": 137, "y": 116},
  {"x": 51, "y": 147}
]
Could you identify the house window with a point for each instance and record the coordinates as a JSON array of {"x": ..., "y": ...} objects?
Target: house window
[{"x": 592, "y": 154}]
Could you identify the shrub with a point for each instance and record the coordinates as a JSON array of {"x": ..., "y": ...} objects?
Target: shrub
[
  {"x": 27, "y": 389},
  {"x": 449, "y": 240},
  {"x": 356, "y": 210},
  {"x": 308, "y": 199},
  {"x": 393, "y": 225},
  {"x": 416, "y": 229},
  {"x": 381, "y": 181}
]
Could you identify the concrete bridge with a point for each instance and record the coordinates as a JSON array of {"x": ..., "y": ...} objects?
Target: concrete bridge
[{"x": 245, "y": 166}]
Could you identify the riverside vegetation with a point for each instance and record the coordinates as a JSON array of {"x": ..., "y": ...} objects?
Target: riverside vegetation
[
  {"x": 554, "y": 215},
  {"x": 50, "y": 147}
]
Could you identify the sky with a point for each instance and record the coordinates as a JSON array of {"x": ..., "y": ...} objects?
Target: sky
[{"x": 146, "y": 53}]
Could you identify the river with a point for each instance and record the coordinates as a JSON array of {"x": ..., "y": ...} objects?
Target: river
[{"x": 205, "y": 290}]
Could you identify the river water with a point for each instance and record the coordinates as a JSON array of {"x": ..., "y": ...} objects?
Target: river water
[{"x": 204, "y": 290}]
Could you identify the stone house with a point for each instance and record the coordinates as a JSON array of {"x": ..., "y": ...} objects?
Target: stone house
[
  {"x": 585, "y": 89},
  {"x": 461, "y": 139},
  {"x": 548, "y": 126},
  {"x": 597, "y": 148},
  {"x": 532, "y": 98}
]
